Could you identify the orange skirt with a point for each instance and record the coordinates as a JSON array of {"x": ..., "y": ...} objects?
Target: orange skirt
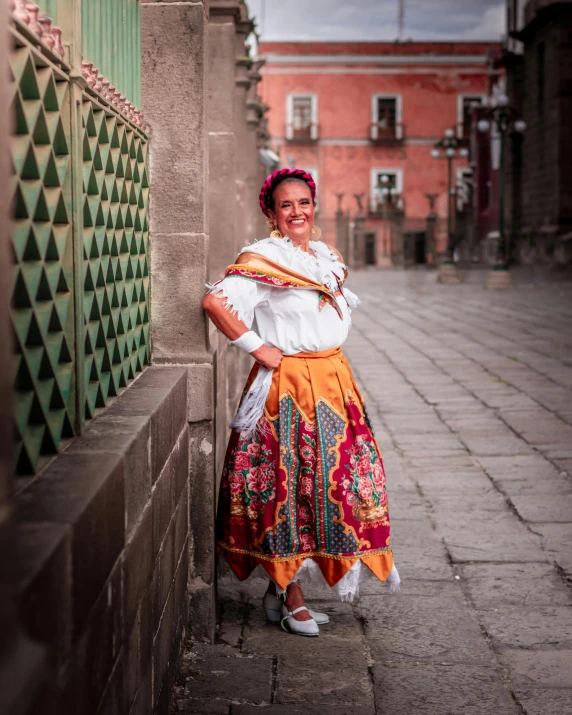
[{"x": 311, "y": 484}]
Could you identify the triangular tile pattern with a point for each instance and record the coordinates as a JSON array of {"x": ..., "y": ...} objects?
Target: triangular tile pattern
[
  {"x": 115, "y": 254},
  {"x": 42, "y": 298}
]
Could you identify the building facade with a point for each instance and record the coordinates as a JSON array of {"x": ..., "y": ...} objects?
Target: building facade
[
  {"x": 354, "y": 113},
  {"x": 138, "y": 143},
  {"x": 537, "y": 56}
]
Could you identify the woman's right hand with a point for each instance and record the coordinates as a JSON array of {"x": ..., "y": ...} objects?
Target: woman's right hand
[{"x": 269, "y": 357}]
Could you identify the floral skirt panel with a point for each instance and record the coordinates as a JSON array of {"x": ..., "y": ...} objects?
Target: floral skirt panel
[{"x": 312, "y": 485}]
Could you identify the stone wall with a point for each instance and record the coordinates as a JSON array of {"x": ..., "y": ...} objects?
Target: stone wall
[
  {"x": 547, "y": 147},
  {"x": 116, "y": 559},
  {"x": 104, "y": 552}
]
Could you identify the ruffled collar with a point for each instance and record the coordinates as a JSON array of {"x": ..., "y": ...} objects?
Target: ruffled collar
[{"x": 320, "y": 263}]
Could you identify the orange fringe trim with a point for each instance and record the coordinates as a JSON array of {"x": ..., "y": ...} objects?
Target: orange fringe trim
[{"x": 333, "y": 567}]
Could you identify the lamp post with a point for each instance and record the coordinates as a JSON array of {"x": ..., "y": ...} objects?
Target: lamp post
[
  {"x": 385, "y": 259},
  {"x": 505, "y": 119},
  {"x": 449, "y": 147}
]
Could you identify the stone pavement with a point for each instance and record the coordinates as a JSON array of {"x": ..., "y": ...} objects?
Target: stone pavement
[{"x": 471, "y": 395}]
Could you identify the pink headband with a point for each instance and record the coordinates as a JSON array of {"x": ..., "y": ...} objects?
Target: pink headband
[{"x": 272, "y": 180}]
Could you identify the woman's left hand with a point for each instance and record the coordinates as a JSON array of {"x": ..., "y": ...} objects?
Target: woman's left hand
[{"x": 269, "y": 357}]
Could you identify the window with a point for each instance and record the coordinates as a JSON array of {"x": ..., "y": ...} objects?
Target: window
[
  {"x": 386, "y": 117},
  {"x": 392, "y": 187},
  {"x": 466, "y": 104},
  {"x": 301, "y": 119}
]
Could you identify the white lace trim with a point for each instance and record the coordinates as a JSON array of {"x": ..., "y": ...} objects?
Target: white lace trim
[
  {"x": 347, "y": 588},
  {"x": 239, "y": 295}
]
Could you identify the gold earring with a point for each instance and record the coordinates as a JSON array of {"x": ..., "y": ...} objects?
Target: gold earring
[
  {"x": 316, "y": 233},
  {"x": 274, "y": 233}
]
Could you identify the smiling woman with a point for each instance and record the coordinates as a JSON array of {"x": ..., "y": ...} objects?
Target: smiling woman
[{"x": 303, "y": 487}]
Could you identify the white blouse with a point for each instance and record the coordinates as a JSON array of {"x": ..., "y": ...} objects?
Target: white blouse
[{"x": 290, "y": 319}]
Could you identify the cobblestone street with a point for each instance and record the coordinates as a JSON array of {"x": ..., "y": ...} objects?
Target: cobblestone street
[{"x": 470, "y": 392}]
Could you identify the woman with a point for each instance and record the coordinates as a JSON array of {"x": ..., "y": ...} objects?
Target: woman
[{"x": 303, "y": 487}]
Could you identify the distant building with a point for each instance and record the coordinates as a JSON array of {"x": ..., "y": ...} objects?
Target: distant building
[
  {"x": 363, "y": 118},
  {"x": 537, "y": 57}
]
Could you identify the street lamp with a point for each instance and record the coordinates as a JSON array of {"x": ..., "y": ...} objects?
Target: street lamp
[
  {"x": 389, "y": 199},
  {"x": 449, "y": 147},
  {"x": 505, "y": 119}
]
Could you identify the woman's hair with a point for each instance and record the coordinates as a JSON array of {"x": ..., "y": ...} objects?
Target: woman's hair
[
  {"x": 266, "y": 196},
  {"x": 285, "y": 180}
]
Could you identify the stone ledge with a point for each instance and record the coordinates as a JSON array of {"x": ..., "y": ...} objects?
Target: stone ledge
[{"x": 88, "y": 519}]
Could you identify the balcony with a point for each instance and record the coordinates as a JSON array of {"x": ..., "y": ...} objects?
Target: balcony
[
  {"x": 303, "y": 135},
  {"x": 391, "y": 207},
  {"x": 382, "y": 134}
]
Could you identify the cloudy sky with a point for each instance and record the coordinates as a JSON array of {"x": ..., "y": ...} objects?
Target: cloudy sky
[{"x": 377, "y": 19}]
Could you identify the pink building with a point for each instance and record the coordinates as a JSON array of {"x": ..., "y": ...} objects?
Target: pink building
[{"x": 363, "y": 118}]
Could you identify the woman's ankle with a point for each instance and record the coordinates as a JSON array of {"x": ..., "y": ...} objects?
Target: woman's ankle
[{"x": 295, "y": 599}]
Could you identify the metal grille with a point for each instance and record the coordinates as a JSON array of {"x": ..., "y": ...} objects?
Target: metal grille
[
  {"x": 115, "y": 245},
  {"x": 50, "y": 7},
  {"x": 80, "y": 297},
  {"x": 111, "y": 39},
  {"x": 42, "y": 301}
]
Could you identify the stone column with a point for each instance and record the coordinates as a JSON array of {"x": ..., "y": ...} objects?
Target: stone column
[
  {"x": 242, "y": 84},
  {"x": 174, "y": 66},
  {"x": 223, "y": 15}
]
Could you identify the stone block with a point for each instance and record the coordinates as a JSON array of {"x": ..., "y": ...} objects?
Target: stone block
[
  {"x": 163, "y": 577},
  {"x": 164, "y": 434},
  {"x": 44, "y": 577},
  {"x": 162, "y": 645},
  {"x": 530, "y": 585},
  {"x": 162, "y": 506},
  {"x": 202, "y": 500},
  {"x": 556, "y": 540},
  {"x": 338, "y": 678},
  {"x": 301, "y": 709},
  {"x": 545, "y": 702},
  {"x": 232, "y": 678},
  {"x": 533, "y": 628},
  {"x": 538, "y": 668},
  {"x": 208, "y": 706},
  {"x": 128, "y": 436},
  {"x": 179, "y": 335},
  {"x": 146, "y": 631},
  {"x": 544, "y": 505},
  {"x": 97, "y": 651},
  {"x": 202, "y": 610},
  {"x": 114, "y": 701},
  {"x": 427, "y": 629},
  {"x": 181, "y": 520},
  {"x": 173, "y": 38},
  {"x": 138, "y": 564},
  {"x": 486, "y": 539},
  {"x": 430, "y": 688},
  {"x": 88, "y": 494},
  {"x": 221, "y": 176},
  {"x": 180, "y": 457},
  {"x": 132, "y": 665},
  {"x": 201, "y": 390}
]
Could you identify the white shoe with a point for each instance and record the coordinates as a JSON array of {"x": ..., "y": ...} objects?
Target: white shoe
[
  {"x": 273, "y": 607},
  {"x": 298, "y": 628}
]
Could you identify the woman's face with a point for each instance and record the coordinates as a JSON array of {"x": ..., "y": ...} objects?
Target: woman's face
[{"x": 293, "y": 210}]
